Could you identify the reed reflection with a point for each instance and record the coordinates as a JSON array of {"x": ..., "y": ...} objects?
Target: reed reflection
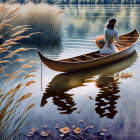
[
  {"x": 109, "y": 87},
  {"x": 107, "y": 97}
]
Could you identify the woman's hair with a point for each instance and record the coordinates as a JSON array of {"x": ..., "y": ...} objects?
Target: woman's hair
[{"x": 111, "y": 23}]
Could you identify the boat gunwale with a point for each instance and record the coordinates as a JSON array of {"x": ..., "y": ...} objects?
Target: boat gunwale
[{"x": 100, "y": 58}]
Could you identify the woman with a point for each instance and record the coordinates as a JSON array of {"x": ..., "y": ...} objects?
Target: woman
[{"x": 110, "y": 33}]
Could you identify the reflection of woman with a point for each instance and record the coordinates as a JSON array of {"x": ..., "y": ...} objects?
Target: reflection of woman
[
  {"x": 107, "y": 99},
  {"x": 109, "y": 35}
]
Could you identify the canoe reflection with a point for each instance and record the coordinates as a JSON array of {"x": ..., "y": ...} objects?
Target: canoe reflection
[
  {"x": 64, "y": 101},
  {"x": 108, "y": 87}
]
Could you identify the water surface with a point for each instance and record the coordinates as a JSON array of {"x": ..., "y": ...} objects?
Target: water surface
[{"x": 97, "y": 95}]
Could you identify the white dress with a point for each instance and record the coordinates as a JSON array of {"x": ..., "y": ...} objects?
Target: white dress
[{"x": 109, "y": 47}]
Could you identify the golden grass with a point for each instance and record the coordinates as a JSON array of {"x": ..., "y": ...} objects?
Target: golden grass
[
  {"x": 30, "y": 83},
  {"x": 42, "y": 18},
  {"x": 25, "y": 97}
]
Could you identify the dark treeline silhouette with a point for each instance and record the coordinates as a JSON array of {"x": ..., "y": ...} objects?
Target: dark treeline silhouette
[
  {"x": 83, "y": 1},
  {"x": 99, "y": 1}
]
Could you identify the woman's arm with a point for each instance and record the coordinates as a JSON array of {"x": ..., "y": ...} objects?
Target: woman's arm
[
  {"x": 117, "y": 39},
  {"x": 117, "y": 36}
]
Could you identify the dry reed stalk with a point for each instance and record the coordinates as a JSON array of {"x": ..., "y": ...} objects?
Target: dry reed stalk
[
  {"x": 25, "y": 97},
  {"x": 8, "y": 102}
]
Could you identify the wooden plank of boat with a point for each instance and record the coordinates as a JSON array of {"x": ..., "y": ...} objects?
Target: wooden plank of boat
[{"x": 94, "y": 59}]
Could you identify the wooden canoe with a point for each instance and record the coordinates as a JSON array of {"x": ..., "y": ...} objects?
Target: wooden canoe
[
  {"x": 94, "y": 59},
  {"x": 58, "y": 89}
]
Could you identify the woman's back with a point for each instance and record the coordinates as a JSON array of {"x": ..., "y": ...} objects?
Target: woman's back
[{"x": 110, "y": 34}]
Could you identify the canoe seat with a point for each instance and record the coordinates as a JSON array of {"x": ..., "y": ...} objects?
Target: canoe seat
[
  {"x": 88, "y": 56},
  {"x": 76, "y": 60},
  {"x": 96, "y": 55}
]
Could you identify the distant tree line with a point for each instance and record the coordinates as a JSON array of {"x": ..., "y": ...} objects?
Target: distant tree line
[
  {"x": 82, "y": 1},
  {"x": 100, "y": 1}
]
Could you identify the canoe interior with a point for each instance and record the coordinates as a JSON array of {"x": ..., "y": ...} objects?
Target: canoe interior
[{"x": 125, "y": 41}]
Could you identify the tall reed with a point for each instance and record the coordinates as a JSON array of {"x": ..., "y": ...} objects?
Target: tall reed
[{"x": 12, "y": 112}]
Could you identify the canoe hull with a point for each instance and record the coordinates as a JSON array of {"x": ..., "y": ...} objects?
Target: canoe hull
[
  {"x": 75, "y": 66},
  {"x": 69, "y": 67}
]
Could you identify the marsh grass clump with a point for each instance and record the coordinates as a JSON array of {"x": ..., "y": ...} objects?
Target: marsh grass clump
[
  {"x": 12, "y": 115},
  {"x": 42, "y": 17}
]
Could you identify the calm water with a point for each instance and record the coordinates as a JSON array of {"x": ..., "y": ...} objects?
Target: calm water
[{"x": 67, "y": 97}]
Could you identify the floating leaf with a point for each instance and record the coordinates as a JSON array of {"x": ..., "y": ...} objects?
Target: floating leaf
[
  {"x": 30, "y": 134},
  {"x": 102, "y": 134},
  {"x": 104, "y": 129},
  {"x": 34, "y": 129},
  {"x": 65, "y": 130},
  {"x": 43, "y": 133},
  {"x": 25, "y": 97},
  {"x": 77, "y": 130},
  {"x": 123, "y": 75},
  {"x": 30, "y": 83}
]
